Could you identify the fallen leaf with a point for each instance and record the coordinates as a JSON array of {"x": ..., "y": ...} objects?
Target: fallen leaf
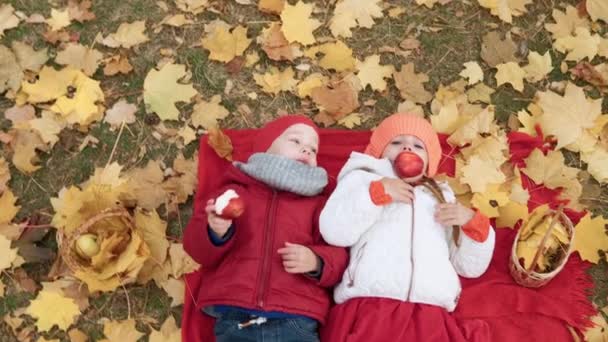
[
  {"x": 351, "y": 121},
  {"x": 490, "y": 201},
  {"x": 181, "y": 262},
  {"x": 297, "y": 24},
  {"x": 371, "y": 73},
  {"x": 506, "y": 9},
  {"x": 581, "y": 45},
  {"x": 78, "y": 102},
  {"x": 588, "y": 72},
  {"x": 566, "y": 22},
  {"x": 338, "y": 98},
  {"x": 58, "y": 19},
  {"x": 353, "y": 13},
  {"x": 480, "y": 93},
  {"x": 597, "y": 163},
  {"x": 192, "y": 6},
  {"x": 145, "y": 186},
  {"x": 311, "y": 82},
  {"x": 511, "y": 213},
  {"x": 80, "y": 57},
  {"x": 117, "y": 64},
  {"x": 276, "y": 46},
  {"x": 24, "y": 147},
  {"x": 590, "y": 237},
  {"x": 18, "y": 114},
  {"x": 510, "y": 73},
  {"x": 8, "y": 19},
  {"x": 169, "y": 332},
  {"x": 336, "y": 55},
  {"x": 475, "y": 125},
  {"x": 11, "y": 73},
  {"x": 549, "y": 170},
  {"x": 187, "y": 134},
  {"x": 175, "y": 20},
  {"x": 495, "y": 50},
  {"x": 77, "y": 335},
  {"x": 479, "y": 174},
  {"x": 271, "y": 6},
  {"x": 51, "y": 308},
  {"x": 8, "y": 255},
  {"x": 121, "y": 111},
  {"x": 175, "y": 288},
  {"x": 411, "y": 107},
  {"x": 121, "y": 331},
  {"x": 5, "y": 174},
  {"x": 220, "y": 143},
  {"x": 225, "y": 44},
  {"x": 410, "y": 84},
  {"x": 80, "y": 10},
  {"x": 28, "y": 58},
  {"x": 275, "y": 80},
  {"x": 48, "y": 126},
  {"x": 472, "y": 71},
  {"x": 598, "y": 10},
  {"x": 127, "y": 35},
  {"x": 207, "y": 114},
  {"x": 539, "y": 66},
  {"x": 161, "y": 90}
]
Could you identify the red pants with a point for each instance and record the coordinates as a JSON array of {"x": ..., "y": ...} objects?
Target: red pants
[{"x": 382, "y": 319}]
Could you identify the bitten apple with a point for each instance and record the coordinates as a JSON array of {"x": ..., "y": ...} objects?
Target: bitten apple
[
  {"x": 229, "y": 205},
  {"x": 87, "y": 246},
  {"x": 408, "y": 165}
]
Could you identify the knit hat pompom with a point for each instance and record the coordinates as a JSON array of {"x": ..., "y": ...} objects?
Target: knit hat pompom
[{"x": 272, "y": 130}]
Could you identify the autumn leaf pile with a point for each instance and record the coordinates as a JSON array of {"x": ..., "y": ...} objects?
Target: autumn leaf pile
[{"x": 315, "y": 54}]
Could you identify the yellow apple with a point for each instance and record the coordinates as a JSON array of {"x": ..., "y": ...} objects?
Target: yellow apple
[{"x": 86, "y": 245}]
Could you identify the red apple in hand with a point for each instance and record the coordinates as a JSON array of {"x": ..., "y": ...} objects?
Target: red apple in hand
[
  {"x": 229, "y": 205},
  {"x": 408, "y": 165}
]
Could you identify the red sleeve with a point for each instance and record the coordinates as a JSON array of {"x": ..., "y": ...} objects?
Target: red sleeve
[
  {"x": 335, "y": 259},
  {"x": 377, "y": 193},
  {"x": 478, "y": 228},
  {"x": 196, "y": 239}
]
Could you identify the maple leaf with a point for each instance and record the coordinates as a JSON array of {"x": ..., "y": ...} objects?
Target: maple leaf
[
  {"x": 192, "y": 6},
  {"x": 495, "y": 50},
  {"x": 549, "y": 170},
  {"x": 448, "y": 119},
  {"x": 8, "y": 19},
  {"x": 336, "y": 55},
  {"x": 10, "y": 71},
  {"x": 582, "y": 44},
  {"x": 473, "y": 72},
  {"x": 121, "y": 111},
  {"x": 161, "y": 90},
  {"x": 80, "y": 105},
  {"x": 566, "y": 116},
  {"x": 181, "y": 262},
  {"x": 28, "y": 58},
  {"x": 539, "y": 66},
  {"x": 127, "y": 35},
  {"x": 50, "y": 84},
  {"x": 121, "y": 331},
  {"x": 598, "y": 10},
  {"x": 506, "y": 9},
  {"x": 510, "y": 213},
  {"x": 76, "y": 335},
  {"x": 58, "y": 19},
  {"x": 206, "y": 114},
  {"x": 187, "y": 134},
  {"x": 297, "y": 24},
  {"x": 153, "y": 230},
  {"x": 597, "y": 163},
  {"x": 5, "y": 175},
  {"x": 480, "y": 93},
  {"x": 312, "y": 81},
  {"x": 479, "y": 173},
  {"x": 225, "y": 44},
  {"x": 24, "y": 145},
  {"x": 48, "y": 127},
  {"x": 8, "y": 255},
  {"x": 410, "y": 84},
  {"x": 145, "y": 186},
  {"x": 275, "y": 80},
  {"x": 80, "y": 57},
  {"x": 220, "y": 143},
  {"x": 476, "y": 124},
  {"x": 117, "y": 64},
  {"x": 271, "y": 6},
  {"x": 352, "y": 13},
  {"x": 339, "y": 97},
  {"x": 408, "y": 106},
  {"x": 52, "y": 308},
  {"x": 566, "y": 23},
  {"x": 351, "y": 121},
  {"x": 168, "y": 332},
  {"x": 490, "y": 201},
  {"x": 175, "y": 288},
  {"x": 276, "y": 46},
  {"x": 590, "y": 237},
  {"x": 182, "y": 185},
  {"x": 80, "y": 11},
  {"x": 371, "y": 72},
  {"x": 511, "y": 73}
]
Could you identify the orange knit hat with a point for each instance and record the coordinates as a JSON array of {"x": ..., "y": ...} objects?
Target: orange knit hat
[{"x": 406, "y": 124}]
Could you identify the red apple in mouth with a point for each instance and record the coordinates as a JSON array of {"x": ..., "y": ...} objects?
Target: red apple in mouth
[
  {"x": 408, "y": 165},
  {"x": 229, "y": 205}
]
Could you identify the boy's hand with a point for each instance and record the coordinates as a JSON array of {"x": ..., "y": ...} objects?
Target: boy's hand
[
  {"x": 218, "y": 225},
  {"x": 453, "y": 214},
  {"x": 399, "y": 190},
  {"x": 298, "y": 258}
]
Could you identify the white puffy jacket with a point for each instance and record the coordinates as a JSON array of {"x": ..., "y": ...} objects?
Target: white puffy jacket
[{"x": 389, "y": 256}]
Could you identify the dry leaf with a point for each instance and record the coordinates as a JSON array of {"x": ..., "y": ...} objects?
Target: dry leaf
[
  {"x": 490, "y": 201},
  {"x": 207, "y": 114},
  {"x": 539, "y": 66},
  {"x": 77, "y": 335},
  {"x": 276, "y": 46},
  {"x": 338, "y": 98},
  {"x": 24, "y": 147},
  {"x": 225, "y": 44},
  {"x": 121, "y": 111},
  {"x": 566, "y": 23},
  {"x": 175, "y": 288},
  {"x": 8, "y": 255},
  {"x": 271, "y": 6},
  {"x": 297, "y": 24},
  {"x": 336, "y": 55},
  {"x": 48, "y": 127},
  {"x": 220, "y": 143},
  {"x": 472, "y": 71},
  {"x": 8, "y": 19},
  {"x": 371, "y": 72},
  {"x": 28, "y": 58},
  {"x": 181, "y": 262},
  {"x": 480, "y": 93},
  {"x": 597, "y": 163},
  {"x": 127, "y": 35},
  {"x": 410, "y": 84},
  {"x": 192, "y": 6},
  {"x": 80, "y": 12},
  {"x": 10, "y": 71},
  {"x": 311, "y": 82},
  {"x": 275, "y": 81},
  {"x": 168, "y": 332},
  {"x": 598, "y": 10},
  {"x": 162, "y": 90},
  {"x": 144, "y": 186},
  {"x": 495, "y": 50},
  {"x": 510, "y": 73},
  {"x": 582, "y": 45},
  {"x": 117, "y": 64},
  {"x": 353, "y": 13},
  {"x": 549, "y": 170},
  {"x": 5, "y": 175},
  {"x": 58, "y": 19},
  {"x": 52, "y": 308},
  {"x": 18, "y": 114},
  {"x": 506, "y": 9},
  {"x": 479, "y": 173},
  {"x": 590, "y": 237},
  {"x": 80, "y": 57},
  {"x": 121, "y": 331},
  {"x": 350, "y": 121}
]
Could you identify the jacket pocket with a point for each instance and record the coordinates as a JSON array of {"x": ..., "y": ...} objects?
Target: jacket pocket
[{"x": 352, "y": 270}]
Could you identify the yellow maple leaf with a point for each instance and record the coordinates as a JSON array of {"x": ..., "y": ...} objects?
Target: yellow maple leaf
[
  {"x": 539, "y": 66},
  {"x": 598, "y": 10},
  {"x": 50, "y": 85},
  {"x": 80, "y": 57},
  {"x": 58, "y": 19},
  {"x": 271, "y": 6},
  {"x": 350, "y": 121},
  {"x": 509, "y": 214},
  {"x": 5, "y": 175},
  {"x": 7, "y": 254},
  {"x": 410, "y": 84},
  {"x": 162, "y": 90},
  {"x": 549, "y": 170},
  {"x": 25, "y": 144},
  {"x": 566, "y": 116},
  {"x": 175, "y": 288},
  {"x": 597, "y": 163},
  {"x": 491, "y": 148},
  {"x": 581, "y": 45},
  {"x": 312, "y": 81},
  {"x": 275, "y": 80},
  {"x": 506, "y": 9},
  {"x": 181, "y": 262},
  {"x": 28, "y": 58},
  {"x": 298, "y": 26},
  {"x": 127, "y": 35},
  {"x": 80, "y": 106},
  {"x": 206, "y": 114},
  {"x": 192, "y": 6},
  {"x": 7, "y": 204},
  {"x": 448, "y": 119},
  {"x": 169, "y": 332},
  {"x": 153, "y": 230},
  {"x": 479, "y": 173},
  {"x": 352, "y": 13},
  {"x": 371, "y": 72},
  {"x": 8, "y": 19},
  {"x": 472, "y": 71},
  {"x": 52, "y": 308},
  {"x": 480, "y": 93},
  {"x": 566, "y": 22},
  {"x": 336, "y": 55},
  {"x": 490, "y": 201},
  {"x": 510, "y": 73},
  {"x": 599, "y": 331},
  {"x": 223, "y": 44},
  {"x": 48, "y": 127},
  {"x": 590, "y": 237},
  {"x": 528, "y": 122},
  {"x": 144, "y": 186},
  {"x": 481, "y": 122},
  {"x": 11, "y": 73},
  {"x": 121, "y": 331}
]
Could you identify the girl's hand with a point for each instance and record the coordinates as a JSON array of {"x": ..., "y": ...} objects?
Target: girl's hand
[
  {"x": 298, "y": 258},
  {"x": 453, "y": 214},
  {"x": 399, "y": 190},
  {"x": 217, "y": 224}
]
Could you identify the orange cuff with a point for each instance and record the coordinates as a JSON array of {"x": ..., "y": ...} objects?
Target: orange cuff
[
  {"x": 377, "y": 194},
  {"x": 478, "y": 228}
]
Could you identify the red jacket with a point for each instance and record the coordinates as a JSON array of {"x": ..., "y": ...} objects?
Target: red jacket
[{"x": 247, "y": 271}]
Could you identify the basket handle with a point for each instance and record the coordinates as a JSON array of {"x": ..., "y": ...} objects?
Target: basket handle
[{"x": 554, "y": 220}]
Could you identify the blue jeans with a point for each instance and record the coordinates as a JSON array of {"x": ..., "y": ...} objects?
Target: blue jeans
[{"x": 273, "y": 330}]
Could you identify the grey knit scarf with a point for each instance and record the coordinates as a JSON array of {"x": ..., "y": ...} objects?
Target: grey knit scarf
[{"x": 285, "y": 174}]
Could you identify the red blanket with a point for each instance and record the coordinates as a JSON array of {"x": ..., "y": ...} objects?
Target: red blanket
[{"x": 511, "y": 312}]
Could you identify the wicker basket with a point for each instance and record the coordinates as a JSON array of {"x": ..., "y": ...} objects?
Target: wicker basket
[
  {"x": 65, "y": 242},
  {"x": 530, "y": 278}
]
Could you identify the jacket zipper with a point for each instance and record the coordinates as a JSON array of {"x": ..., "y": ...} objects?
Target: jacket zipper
[
  {"x": 409, "y": 289},
  {"x": 268, "y": 239},
  {"x": 351, "y": 276}
]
